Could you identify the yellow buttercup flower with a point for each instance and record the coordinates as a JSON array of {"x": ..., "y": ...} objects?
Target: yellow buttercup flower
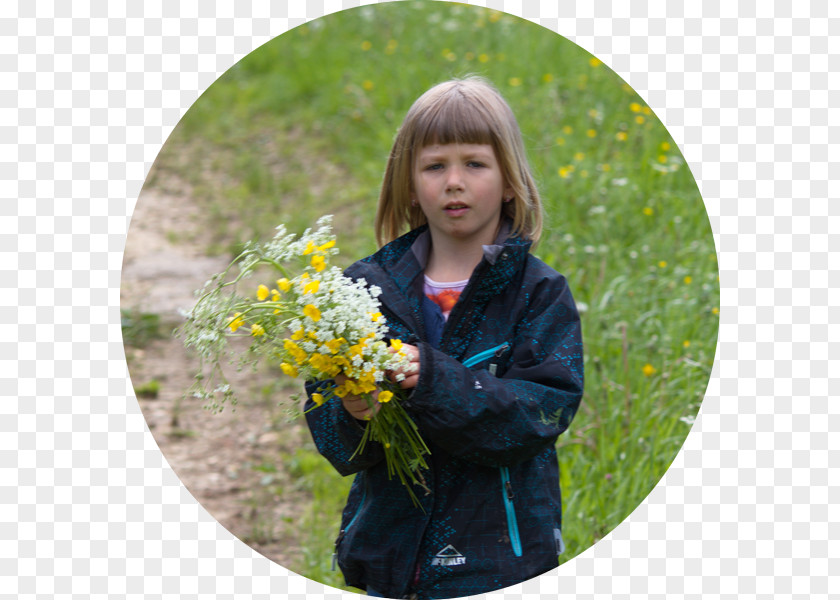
[
  {"x": 311, "y": 311},
  {"x": 327, "y": 246},
  {"x": 318, "y": 263},
  {"x": 284, "y": 284},
  {"x": 310, "y": 248},
  {"x": 335, "y": 345},
  {"x": 648, "y": 211},
  {"x": 257, "y": 330},
  {"x": 236, "y": 322},
  {"x": 385, "y": 396},
  {"x": 289, "y": 370},
  {"x": 262, "y": 292},
  {"x": 298, "y": 335},
  {"x": 318, "y": 399},
  {"x": 648, "y": 370},
  {"x": 396, "y": 344},
  {"x": 311, "y": 287}
]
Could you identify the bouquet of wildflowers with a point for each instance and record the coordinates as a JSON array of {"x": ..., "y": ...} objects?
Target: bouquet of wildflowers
[{"x": 314, "y": 324}]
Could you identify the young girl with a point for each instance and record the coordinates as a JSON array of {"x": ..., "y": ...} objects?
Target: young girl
[{"x": 496, "y": 370}]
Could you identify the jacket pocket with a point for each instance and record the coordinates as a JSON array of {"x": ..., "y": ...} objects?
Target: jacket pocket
[{"x": 510, "y": 512}]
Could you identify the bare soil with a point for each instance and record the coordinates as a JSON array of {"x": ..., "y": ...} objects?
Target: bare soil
[{"x": 218, "y": 457}]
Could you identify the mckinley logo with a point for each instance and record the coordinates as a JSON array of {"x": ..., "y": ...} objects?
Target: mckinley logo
[{"x": 448, "y": 557}]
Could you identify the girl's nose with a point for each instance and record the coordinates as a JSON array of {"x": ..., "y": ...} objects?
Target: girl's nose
[{"x": 455, "y": 179}]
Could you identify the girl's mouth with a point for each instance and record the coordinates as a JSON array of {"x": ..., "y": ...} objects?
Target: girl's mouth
[{"x": 456, "y": 209}]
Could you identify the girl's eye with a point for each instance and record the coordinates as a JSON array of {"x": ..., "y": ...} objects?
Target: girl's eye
[
  {"x": 433, "y": 167},
  {"x": 475, "y": 164}
]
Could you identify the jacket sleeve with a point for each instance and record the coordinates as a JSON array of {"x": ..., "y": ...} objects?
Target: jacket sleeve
[
  {"x": 500, "y": 421},
  {"x": 337, "y": 435}
]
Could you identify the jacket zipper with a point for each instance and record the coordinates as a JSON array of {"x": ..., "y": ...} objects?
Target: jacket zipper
[
  {"x": 485, "y": 354},
  {"x": 513, "y": 527},
  {"x": 507, "y": 488},
  {"x": 344, "y": 531}
]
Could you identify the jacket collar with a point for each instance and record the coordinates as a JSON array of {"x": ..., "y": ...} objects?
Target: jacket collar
[{"x": 423, "y": 244}]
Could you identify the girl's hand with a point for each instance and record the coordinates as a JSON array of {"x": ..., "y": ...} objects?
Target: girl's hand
[
  {"x": 412, "y": 371},
  {"x": 356, "y": 405}
]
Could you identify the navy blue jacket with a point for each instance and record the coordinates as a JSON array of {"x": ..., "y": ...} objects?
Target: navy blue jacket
[{"x": 498, "y": 384}]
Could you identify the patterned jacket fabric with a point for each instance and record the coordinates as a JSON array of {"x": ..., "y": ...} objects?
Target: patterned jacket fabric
[{"x": 498, "y": 385}]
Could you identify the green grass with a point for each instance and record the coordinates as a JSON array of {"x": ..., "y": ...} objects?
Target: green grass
[{"x": 302, "y": 126}]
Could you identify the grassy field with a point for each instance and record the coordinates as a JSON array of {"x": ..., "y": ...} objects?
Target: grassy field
[{"x": 302, "y": 126}]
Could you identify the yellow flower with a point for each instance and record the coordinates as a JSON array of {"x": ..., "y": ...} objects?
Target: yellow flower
[
  {"x": 275, "y": 296},
  {"x": 548, "y": 78},
  {"x": 635, "y": 107},
  {"x": 483, "y": 58},
  {"x": 566, "y": 171},
  {"x": 621, "y": 136},
  {"x": 515, "y": 82},
  {"x": 257, "y": 330},
  {"x": 686, "y": 344},
  {"x": 318, "y": 399},
  {"x": 664, "y": 146},
  {"x": 591, "y": 133},
  {"x": 310, "y": 248},
  {"x": 662, "y": 158},
  {"x": 366, "y": 45},
  {"x": 715, "y": 310},
  {"x": 640, "y": 119},
  {"x": 375, "y": 316},
  {"x": 367, "y": 84},
  {"x": 579, "y": 156},
  {"x": 236, "y": 322},
  {"x": 567, "y": 129},
  {"x": 385, "y": 396},
  {"x": 335, "y": 344},
  {"x": 289, "y": 370},
  {"x": 647, "y": 210},
  {"x": 687, "y": 279},
  {"x": 311, "y": 287},
  {"x": 594, "y": 62},
  {"x": 311, "y": 311},
  {"x": 662, "y": 264},
  {"x": 318, "y": 263},
  {"x": 391, "y": 47},
  {"x": 262, "y": 292},
  {"x": 326, "y": 246},
  {"x": 396, "y": 344},
  {"x": 284, "y": 284},
  {"x": 298, "y": 335},
  {"x": 648, "y": 370}
]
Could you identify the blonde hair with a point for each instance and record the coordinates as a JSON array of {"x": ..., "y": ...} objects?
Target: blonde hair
[{"x": 467, "y": 111}]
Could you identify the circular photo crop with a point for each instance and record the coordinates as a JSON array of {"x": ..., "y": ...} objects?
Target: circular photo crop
[{"x": 404, "y": 341}]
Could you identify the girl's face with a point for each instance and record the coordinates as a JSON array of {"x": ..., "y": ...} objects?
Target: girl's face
[{"x": 459, "y": 188}]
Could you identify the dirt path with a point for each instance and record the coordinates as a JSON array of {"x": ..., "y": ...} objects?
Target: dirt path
[{"x": 224, "y": 459}]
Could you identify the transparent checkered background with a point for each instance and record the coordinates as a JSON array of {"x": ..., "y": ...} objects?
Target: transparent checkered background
[{"x": 88, "y": 95}]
